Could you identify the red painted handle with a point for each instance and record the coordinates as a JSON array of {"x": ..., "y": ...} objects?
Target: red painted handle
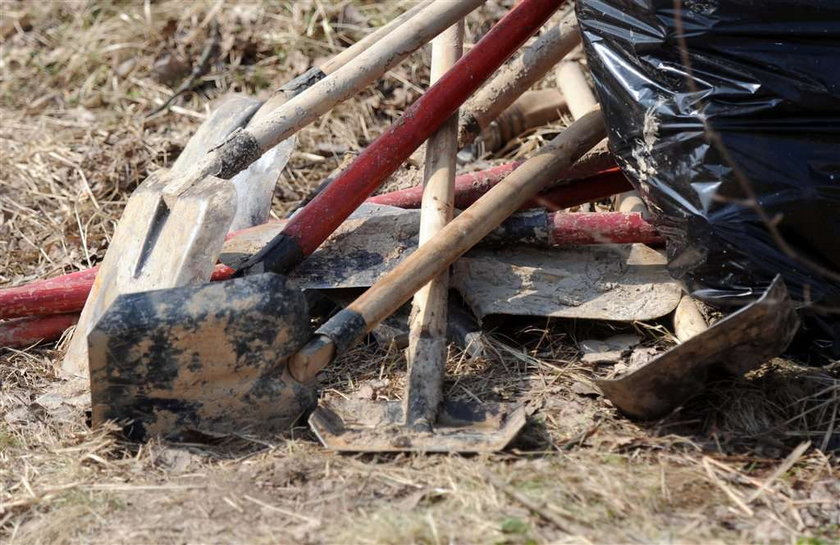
[
  {"x": 26, "y": 331},
  {"x": 317, "y": 220},
  {"x": 49, "y": 297},
  {"x": 577, "y": 192},
  {"x": 469, "y": 187},
  {"x": 68, "y": 293},
  {"x": 65, "y": 293},
  {"x": 602, "y": 228}
]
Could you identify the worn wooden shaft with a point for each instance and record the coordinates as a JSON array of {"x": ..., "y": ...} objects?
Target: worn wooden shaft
[
  {"x": 516, "y": 77},
  {"x": 255, "y": 186},
  {"x": 246, "y": 146},
  {"x": 688, "y": 320},
  {"x": 311, "y": 77},
  {"x": 630, "y": 201},
  {"x": 572, "y": 82},
  {"x": 461, "y": 234},
  {"x": 426, "y": 352},
  {"x": 361, "y": 71},
  {"x": 362, "y": 45},
  {"x": 532, "y": 109}
]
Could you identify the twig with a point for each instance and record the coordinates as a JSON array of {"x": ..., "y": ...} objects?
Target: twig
[
  {"x": 201, "y": 67},
  {"x": 527, "y": 502},
  {"x": 578, "y": 439},
  {"x": 786, "y": 464},
  {"x": 282, "y": 511},
  {"x": 726, "y": 490}
]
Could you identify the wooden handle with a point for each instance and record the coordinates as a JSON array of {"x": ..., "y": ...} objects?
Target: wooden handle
[
  {"x": 461, "y": 234},
  {"x": 361, "y": 71},
  {"x": 532, "y": 109},
  {"x": 426, "y": 352},
  {"x": 516, "y": 77},
  {"x": 246, "y": 146},
  {"x": 306, "y": 80},
  {"x": 357, "y": 48},
  {"x": 688, "y": 320},
  {"x": 572, "y": 82}
]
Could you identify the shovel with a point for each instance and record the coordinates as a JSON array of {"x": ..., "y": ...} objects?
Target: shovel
[
  {"x": 173, "y": 226},
  {"x": 423, "y": 422},
  {"x": 234, "y": 357}
]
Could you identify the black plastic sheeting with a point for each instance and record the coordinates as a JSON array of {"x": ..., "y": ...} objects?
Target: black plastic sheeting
[{"x": 764, "y": 76}]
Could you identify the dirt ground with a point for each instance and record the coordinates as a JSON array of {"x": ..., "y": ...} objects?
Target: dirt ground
[{"x": 751, "y": 460}]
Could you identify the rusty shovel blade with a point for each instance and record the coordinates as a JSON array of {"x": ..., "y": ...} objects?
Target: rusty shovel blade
[
  {"x": 209, "y": 359},
  {"x": 739, "y": 343}
]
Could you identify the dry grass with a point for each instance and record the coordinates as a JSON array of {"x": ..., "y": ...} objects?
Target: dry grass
[{"x": 78, "y": 78}]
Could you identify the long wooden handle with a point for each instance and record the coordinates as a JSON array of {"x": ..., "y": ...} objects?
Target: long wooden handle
[
  {"x": 315, "y": 74},
  {"x": 532, "y": 109},
  {"x": 362, "y": 45},
  {"x": 247, "y": 145},
  {"x": 426, "y": 352},
  {"x": 516, "y": 77},
  {"x": 572, "y": 82},
  {"x": 392, "y": 290},
  {"x": 361, "y": 71}
]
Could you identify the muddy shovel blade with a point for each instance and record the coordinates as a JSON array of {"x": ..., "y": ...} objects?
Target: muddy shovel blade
[
  {"x": 739, "y": 343},
  {"x": 347, "y": 425},
  {"x": 208, "y": 359},
  {"x": 157, "y": 244}
]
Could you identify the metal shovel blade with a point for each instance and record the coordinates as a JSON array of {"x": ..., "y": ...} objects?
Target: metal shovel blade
[
  {"x": 162, "y": 242},
  {"x": 739, "y": 343},
  {"x": 156, "y": 245},
  {"x": 347, "y": 425},
  {"x": 208, "y": 359}
]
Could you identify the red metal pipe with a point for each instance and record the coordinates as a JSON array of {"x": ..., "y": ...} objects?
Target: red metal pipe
[
  {"x": 65, "y": 293},
  {"x": 68, "y": 293},
  {"x": 578, "y": 192},
  {"x": 469, "y": 187},
  {"x": 27, "y": 331},
  {"x": 317, "y": 220},
  {"x": 601, "y": 228},
  {"x": 564, "y": 229}
]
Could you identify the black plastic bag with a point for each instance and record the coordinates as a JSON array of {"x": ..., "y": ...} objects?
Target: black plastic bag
[{"x": 753, "y": 87}]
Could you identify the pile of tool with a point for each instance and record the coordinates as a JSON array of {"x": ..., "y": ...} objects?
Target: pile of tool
[{"x": 171, "y": 353}]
